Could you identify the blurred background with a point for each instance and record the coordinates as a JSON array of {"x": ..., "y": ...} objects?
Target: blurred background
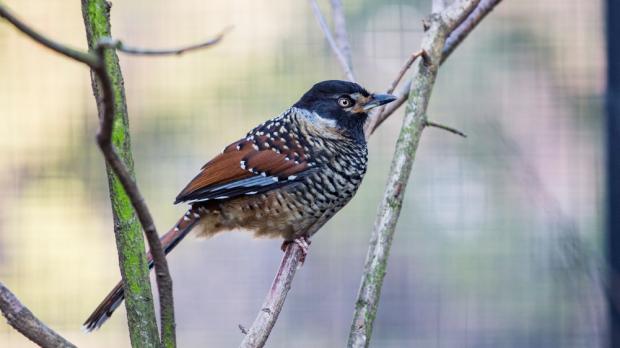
[{"x": 500, "y": 239}]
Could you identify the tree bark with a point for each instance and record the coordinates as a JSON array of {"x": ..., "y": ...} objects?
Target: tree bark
[{"x": 127, "y": 230}]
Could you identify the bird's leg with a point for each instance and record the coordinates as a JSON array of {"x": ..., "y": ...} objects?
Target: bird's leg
[{"x": 304, "y": 244}]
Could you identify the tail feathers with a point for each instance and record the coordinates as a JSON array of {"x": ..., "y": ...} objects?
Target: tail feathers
[
  {"x": 105, "y": 309},
  {"x": 169, "y": 240}
]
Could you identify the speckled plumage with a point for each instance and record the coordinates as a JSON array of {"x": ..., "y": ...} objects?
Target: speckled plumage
[
  {"x": 286, "y": 178},
  {"x": 331, "y": 165}
]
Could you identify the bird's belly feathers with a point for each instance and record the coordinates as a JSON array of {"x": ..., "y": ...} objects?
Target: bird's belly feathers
[{"x": 291, "y": 211}]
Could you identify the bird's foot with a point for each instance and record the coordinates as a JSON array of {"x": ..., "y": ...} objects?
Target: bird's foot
[{"x": 303, "y": 243}]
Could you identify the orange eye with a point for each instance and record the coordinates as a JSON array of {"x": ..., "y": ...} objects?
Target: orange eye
[{"x": 345, "y": 102}]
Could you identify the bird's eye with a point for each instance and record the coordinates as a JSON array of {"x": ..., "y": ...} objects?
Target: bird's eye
[{"x": 345, "y": 102}]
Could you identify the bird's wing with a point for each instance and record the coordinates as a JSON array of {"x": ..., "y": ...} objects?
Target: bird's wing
[{"x": 252, "y": 165}]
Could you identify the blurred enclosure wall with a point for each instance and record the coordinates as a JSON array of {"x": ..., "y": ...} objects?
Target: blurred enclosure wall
[{"x": 499, "y": 242}]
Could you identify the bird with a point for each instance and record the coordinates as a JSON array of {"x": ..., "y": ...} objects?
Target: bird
[{"x": 285, "y": 179}]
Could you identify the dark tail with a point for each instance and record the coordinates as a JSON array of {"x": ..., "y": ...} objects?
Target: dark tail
[{"x": 117, "y": 295}]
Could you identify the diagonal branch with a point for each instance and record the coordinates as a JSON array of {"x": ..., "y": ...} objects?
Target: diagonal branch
[
  {"x": 457, "y": 36},
  {"x": 467, "y": 25},
  {"x": 80, "y": 56},
  {"x": 377, "y": 117},
  {"x": 342, "y": 59},
  {"x": 445, "y": 128},
  {"x": 257, "y": 335},
  {"x": 22, "y": 320}
]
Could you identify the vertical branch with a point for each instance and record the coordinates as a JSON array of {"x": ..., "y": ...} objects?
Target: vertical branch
[
  {"x": 130, "y": 243},
  {"x": 424, "y": 74}
]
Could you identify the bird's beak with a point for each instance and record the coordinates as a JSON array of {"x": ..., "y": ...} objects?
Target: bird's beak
[{"x": 378, "y": 100}]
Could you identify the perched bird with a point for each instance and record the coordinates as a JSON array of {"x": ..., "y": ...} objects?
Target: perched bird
[{"x": 285, "y": 179}]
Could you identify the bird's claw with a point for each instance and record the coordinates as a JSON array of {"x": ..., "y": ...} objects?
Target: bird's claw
[{"x": 303, "y": 243}]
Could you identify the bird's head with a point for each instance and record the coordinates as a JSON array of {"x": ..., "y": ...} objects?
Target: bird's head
[{"x": 345, "y": 103}]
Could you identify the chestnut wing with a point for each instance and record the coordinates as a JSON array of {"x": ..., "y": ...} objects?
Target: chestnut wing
[{"x": 246, "y": 168}]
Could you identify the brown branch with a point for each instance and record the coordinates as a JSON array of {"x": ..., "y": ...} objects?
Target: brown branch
[
  {"x": 120, "y": 46},
  {"x": 83, "y": 57},
  {"x": 104, "y": 140},
  {"x": 342, "y": 59},
  {"x": 377, "y": 117},
  {"x": 406, "y": 67},
  {"x": 22, "y": 320},
  {"x": 446, "y": 128},
  {"x": 257, "y": 335}
]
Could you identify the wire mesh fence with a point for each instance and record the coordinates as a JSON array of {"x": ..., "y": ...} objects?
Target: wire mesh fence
[{"x": 499, "y": 243}]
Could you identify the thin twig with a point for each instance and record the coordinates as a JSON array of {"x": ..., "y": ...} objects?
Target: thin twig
[
  {"x": 258, "y": 333},
  {"x": 453, "y": 41},
  {"x": 120, "y": 46},
  {"x": 332, "y": 42},
  {"x": 340, "y": 30},
  {"x": 22, "y": 320},
  {"x": 376, "y": 118},
  {"x": 84, "y": 57},
  {"x": 406, "y": 67},
  {"x": 446, "y": 128},
  {"x": 414, "y": 122}
]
